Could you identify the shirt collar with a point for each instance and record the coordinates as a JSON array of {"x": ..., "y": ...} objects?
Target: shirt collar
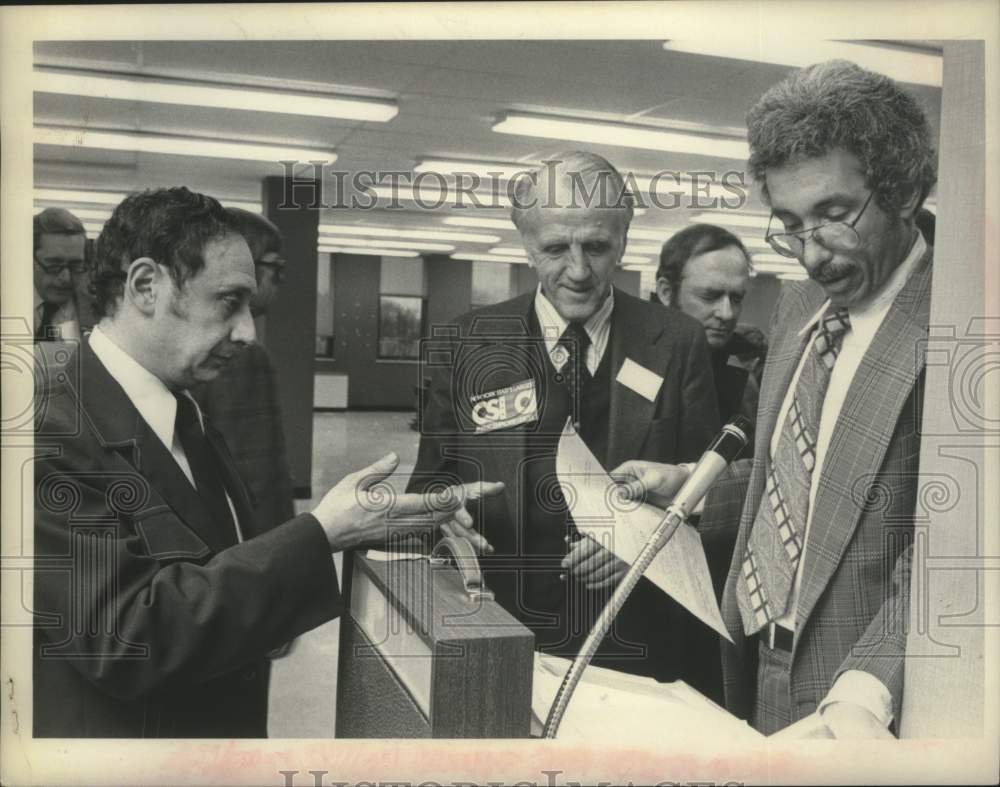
[
  {"x": 146, "y": 391},
  {"x": 553, "y": 325},
  {"x": 874, "y": 309}
]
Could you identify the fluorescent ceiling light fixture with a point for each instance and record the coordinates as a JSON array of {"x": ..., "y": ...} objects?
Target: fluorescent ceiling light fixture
[
  {"x": 63, "y": 197},
  {"x": 393, "y": 232},
  {"x": 633, "y": 259},
  {"x": 92, "y": 229},
  {"x": 510, "y": 251},
  {"x": 484, "y": 169},
  {"x": 793, "y": 276},
  {"x": 432, "y": 196},
  {"x": 69, "y": 195},
  {"x": 627, "y": 135},
  {"x": 387, "y": 244},
  {"x": 161, "y": 90},
  {"x": 731, "y": 218},
  {"x": 367, "y": 250},
  {"x": 906, "y": 64},
  {"x": 640, "y": 249},
  {"x": 472, "y": 221},
  {"x": 665, "y": 184},
  {"x": 478, "y": 257},
  {"x": 176, "y": 145}
]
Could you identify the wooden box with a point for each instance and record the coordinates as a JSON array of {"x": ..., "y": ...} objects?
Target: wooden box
[{"x": 421, "y": 657}]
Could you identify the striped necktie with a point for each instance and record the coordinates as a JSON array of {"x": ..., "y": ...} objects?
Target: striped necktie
[{"x": 776, "y": 540}]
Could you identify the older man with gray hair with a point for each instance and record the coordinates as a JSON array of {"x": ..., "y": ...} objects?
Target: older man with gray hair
[{"x": 633, "y": 377}]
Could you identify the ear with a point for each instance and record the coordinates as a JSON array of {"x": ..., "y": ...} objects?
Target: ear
[
  {"x": 142, "y": 284},
  {"x": 908, "y": 209},
  {"x": 664, "y": 292}
]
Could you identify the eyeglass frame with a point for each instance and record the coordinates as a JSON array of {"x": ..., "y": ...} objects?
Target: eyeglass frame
[
  {"x": 809, "y": 232},
  {"x": 276, "y": 266},
  {"x": 56, "y": 268}
]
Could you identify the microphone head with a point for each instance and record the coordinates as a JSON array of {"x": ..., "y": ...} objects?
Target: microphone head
[{"x": 734, "y": 438}]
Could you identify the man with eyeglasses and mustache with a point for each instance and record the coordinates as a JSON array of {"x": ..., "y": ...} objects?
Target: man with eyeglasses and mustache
[
  {"x": 59, "y": 259},
  {"x": 816, "y": 600}
]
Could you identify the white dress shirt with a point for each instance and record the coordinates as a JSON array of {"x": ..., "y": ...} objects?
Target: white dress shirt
[
  {"x": 598, "y": 328},
  {"x": 155, "y": 403},
  {"x": 866, "y": 318}
]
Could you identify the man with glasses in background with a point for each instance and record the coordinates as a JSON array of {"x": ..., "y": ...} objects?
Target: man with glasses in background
[
  {"x": 242, "y": 402},
  {"x": 59, "y": 259},
  {"x": 816, "y": 600}
]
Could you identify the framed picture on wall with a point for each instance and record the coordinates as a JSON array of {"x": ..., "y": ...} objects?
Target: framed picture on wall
[{"x": 400, "y": 326}]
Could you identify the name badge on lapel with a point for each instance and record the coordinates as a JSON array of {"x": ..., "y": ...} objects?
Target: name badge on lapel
[
  {"x": 639, "y": 379},
  {"x": 506, "y": 407}
]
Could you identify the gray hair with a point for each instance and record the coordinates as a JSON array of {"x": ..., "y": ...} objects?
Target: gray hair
[
  {"x": 590, "y": 175},
  {"x": 839, "y": 105}
]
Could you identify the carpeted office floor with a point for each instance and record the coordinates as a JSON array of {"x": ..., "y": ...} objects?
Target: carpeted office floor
[{"x": 304, "y": 683}]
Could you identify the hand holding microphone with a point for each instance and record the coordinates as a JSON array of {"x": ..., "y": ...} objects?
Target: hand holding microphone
[{"x": 674, "y": 486}]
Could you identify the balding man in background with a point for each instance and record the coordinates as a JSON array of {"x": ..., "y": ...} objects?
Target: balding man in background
[
  {"x": 635, "y": 379},
  {"x": 705, "y": 272}
]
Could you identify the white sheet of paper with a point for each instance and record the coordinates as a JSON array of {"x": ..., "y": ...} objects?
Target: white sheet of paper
[
  {"x": 613, "y": 707},
  {"x": 680, "y": 569}
]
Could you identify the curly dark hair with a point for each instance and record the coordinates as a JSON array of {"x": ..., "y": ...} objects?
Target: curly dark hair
[
  {"x": 839, "y": 105},
  {"x": 690, "y": 242},
  {"x": 171, "y": 226}
]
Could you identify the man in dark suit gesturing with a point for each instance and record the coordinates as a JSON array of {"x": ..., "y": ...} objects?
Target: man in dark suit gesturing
[
  {"x": 157, "y": 596},
  {"x": 634, "y": 378},
  {"x": 817, "y": 595}
]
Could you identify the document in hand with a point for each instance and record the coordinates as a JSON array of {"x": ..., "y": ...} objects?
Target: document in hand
[
  {"x": 623, "y": 526},
  {"x": 614, "y": 707}
]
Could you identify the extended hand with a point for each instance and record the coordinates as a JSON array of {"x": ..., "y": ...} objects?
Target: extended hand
[
  {"x": 653, "y": 482},
  {"x": 593, "y": 565},
  {"x": 361, "y": 508},
  {"x": 850, "y": 721}
]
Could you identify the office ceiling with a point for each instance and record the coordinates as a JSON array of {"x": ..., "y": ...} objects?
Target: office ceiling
[{"x": 449, "y": 94}]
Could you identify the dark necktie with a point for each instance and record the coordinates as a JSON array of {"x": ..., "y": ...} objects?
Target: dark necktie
[
  {"x": 776, "y": 540},
  {"x": 204, "y": 466},
  {"x": 574, "y": 373},
  {"x": 48, "y": 312}
]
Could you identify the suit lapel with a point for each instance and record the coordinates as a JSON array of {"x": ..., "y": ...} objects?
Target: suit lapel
[
  {"x": 120, "y": 428},
  {"x": 630, "y": 413},
  {"x": 882, "y": 383},
  {"x": 509, "y": 447}
]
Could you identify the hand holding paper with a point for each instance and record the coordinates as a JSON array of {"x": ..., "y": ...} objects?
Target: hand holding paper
[{"x": 606, "y": 512}]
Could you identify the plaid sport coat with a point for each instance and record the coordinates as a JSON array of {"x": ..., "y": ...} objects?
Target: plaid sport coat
[{"x": 853, "y": 602}]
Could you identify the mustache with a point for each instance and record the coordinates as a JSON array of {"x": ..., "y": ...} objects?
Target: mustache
[{"x": 829, "y": 272}]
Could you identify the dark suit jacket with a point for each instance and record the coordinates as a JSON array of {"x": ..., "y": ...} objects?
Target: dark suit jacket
[
  {"x": 853, "y": 603},
  {"x": 490, "y": 348},
  {"x": 242, "y": 403},
  {"x": 149, "y": 623}
]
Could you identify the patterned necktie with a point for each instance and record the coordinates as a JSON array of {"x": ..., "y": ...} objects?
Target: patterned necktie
[
  {"x": 574, "y": 373},
  {"x": 776, "y": 540},
  {"x": 204, "y": 466}
]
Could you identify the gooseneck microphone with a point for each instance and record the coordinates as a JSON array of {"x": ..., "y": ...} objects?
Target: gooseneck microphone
[{"x": 723, "y": 449}]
